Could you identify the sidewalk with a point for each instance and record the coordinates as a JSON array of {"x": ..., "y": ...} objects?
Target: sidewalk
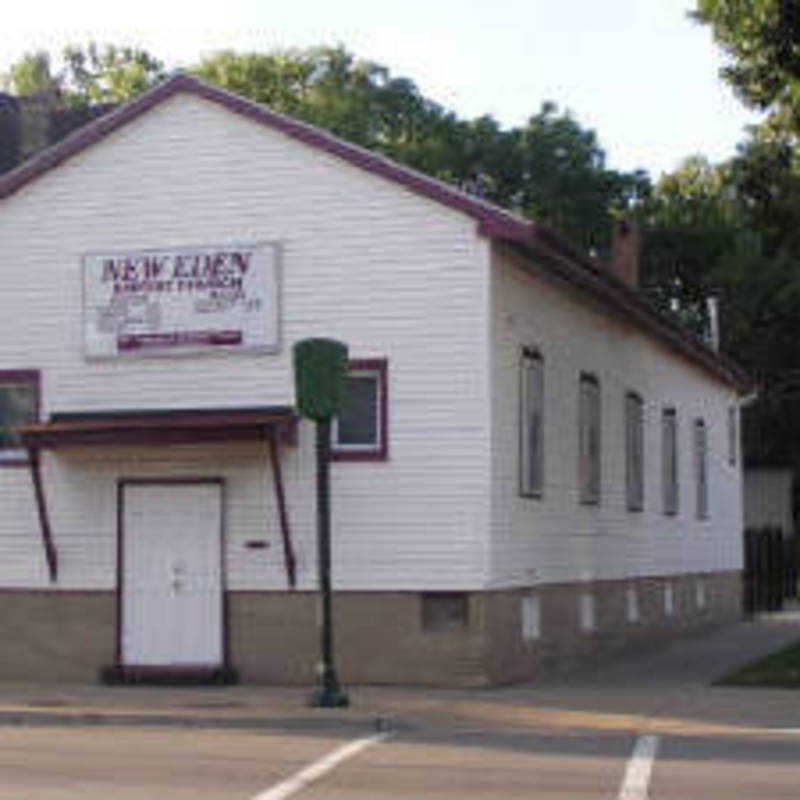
[
  {"x": 667, "y": 690},
  {"x": 675, "y": 683}
]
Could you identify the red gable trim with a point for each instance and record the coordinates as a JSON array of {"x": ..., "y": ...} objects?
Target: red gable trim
[
  {"x": 491, "y": 217},
  {"x": 493, "y": 221}
]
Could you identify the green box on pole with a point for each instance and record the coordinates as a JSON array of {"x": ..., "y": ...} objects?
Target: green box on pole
[{"x": 319, "y": 370}]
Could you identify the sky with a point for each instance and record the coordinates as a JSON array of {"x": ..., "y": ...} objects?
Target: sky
[{"x": 638, "y": 72}]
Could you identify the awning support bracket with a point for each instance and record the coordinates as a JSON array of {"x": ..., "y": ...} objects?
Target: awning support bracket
[
  {"x": 44, "y": 522},
  {"x": 288, "y": 551}
]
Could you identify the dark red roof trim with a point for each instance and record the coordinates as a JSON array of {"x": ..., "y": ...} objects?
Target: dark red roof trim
[
  {"x": 161, "y": 427},
  {"x": 490, "y": 215},
  {"x": 494, "y": 222},
  {"x": 632, "y": 304}
]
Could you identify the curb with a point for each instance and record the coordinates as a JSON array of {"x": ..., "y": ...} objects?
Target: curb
[{"x": 68, "y": 719}]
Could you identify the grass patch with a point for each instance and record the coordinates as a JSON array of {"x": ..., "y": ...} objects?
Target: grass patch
[{"x": 780, "y": 669}]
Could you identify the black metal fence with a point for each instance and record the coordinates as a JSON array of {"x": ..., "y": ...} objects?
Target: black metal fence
[{"x": 770, "y": 568}]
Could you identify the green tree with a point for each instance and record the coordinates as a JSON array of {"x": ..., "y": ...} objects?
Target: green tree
[
  {"x": 108, "y": 74},
  {"x": 762, "y": 39},
  {"x": 279, "y": 80},
  {"x": 32, "y": 74},
  {"x": 730, "y": 231},
  {"x": 691, "y": 223},
  {"x": 565, "y": 183},
  {"x": 90, "y": 75},
  {"x": 552, "y": 169}
]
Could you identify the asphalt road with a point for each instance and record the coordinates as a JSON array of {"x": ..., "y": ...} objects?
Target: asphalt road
[{"x": 109, "y": 763}]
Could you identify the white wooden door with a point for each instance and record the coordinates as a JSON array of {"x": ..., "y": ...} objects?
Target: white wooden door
[{"x": 171, "y": 575}]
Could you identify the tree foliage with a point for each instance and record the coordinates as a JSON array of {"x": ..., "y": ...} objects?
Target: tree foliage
[
  {"x": 762, "y": 39},
  {"x": 109, "y": 74},
  {"x": 733, "y": 231},
  {"x": 690, "y": 224},
  {"x": 32, "y": 74},
  {"x": 90, "y": 75},
  {"x": 551, "y": 169},
  {"x": 730, "y": 231}
]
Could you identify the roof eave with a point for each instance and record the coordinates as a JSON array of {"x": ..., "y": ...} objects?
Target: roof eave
[
  {"x": 579, "y": 271},
  {"x": 493, "y": 222}
]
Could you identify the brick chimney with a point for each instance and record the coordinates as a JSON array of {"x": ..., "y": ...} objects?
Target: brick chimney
[{"x": 625, "y": 248}]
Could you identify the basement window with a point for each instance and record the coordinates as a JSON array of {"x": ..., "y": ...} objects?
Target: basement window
[
  {"x": 632, "y": 605},
  {"x": 588, "y": 612},
  {"x": 669, "y": 599},
  {"x": 701, "y": 598},
  {"x": 444, "y": 611},
  {"x": 531, "y": 618}
]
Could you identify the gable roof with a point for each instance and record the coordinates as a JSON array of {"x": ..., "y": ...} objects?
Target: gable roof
[{"x": 533, "y": 240}]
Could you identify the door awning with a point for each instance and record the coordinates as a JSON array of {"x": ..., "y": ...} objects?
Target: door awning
[
  {"x": 274, "y": 424},
  {"x": 174, "y": 426}
]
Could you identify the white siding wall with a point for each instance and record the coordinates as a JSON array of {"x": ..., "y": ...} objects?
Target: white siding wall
[
  {"x": 386, "y": 271},
  {"x": 555, "y": 538}
]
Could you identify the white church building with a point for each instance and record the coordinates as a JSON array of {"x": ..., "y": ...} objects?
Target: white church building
[{"x": 532, "y": 468}]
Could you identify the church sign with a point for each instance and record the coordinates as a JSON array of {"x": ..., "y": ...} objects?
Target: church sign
[{"x": 181, "y": 300}]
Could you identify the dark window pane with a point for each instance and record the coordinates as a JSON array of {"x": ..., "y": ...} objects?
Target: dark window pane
[
  {"x": 589, "y": 438},
  {"x": 531, "y": 443},
  {"x": 701, "y": 474},
  {"x": 358, "y": 419},
  {"x": 444, "y": 611},
  {"x": 634, "y": 464},
  {"x": 669, "y": 446},
  {"x": 17, "y": 408}
]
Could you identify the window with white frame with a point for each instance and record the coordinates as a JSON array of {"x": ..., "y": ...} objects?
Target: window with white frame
[
  {"x": 531, "y": 445},
  {"x": 19, "y": 406},
  {"x": 634, "y": 451},
  {"x": 589, "y": 439},
  {"x": 669, "y": 460},
  {"x": 701, "y": 468},
  {"x": 359, "y": 432}
]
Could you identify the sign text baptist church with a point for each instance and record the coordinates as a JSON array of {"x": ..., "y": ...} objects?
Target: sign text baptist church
[{"x": 162, "y": 302}]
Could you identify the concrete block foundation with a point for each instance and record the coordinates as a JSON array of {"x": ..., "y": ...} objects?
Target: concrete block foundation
[{"x": 452, "y": 639}]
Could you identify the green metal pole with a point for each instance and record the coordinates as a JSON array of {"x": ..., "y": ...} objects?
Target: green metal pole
[{"x": 330, "y": 695}]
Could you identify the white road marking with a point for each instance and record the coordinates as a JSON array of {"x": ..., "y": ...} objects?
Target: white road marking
[
  {"x": 792, "y": 731},
  {"x": 319, "y": 768},
  {"x": 636, "y": 783}
]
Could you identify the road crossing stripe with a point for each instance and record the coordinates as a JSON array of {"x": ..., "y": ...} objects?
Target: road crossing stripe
[
  {"x": 319, "y": 768},
  {"x": 636, "y": 783}
]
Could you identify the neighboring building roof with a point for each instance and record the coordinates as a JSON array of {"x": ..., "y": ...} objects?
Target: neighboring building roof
[
  {"x": 494, "y": 222},
  {"x": 32, "y": 122}
]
